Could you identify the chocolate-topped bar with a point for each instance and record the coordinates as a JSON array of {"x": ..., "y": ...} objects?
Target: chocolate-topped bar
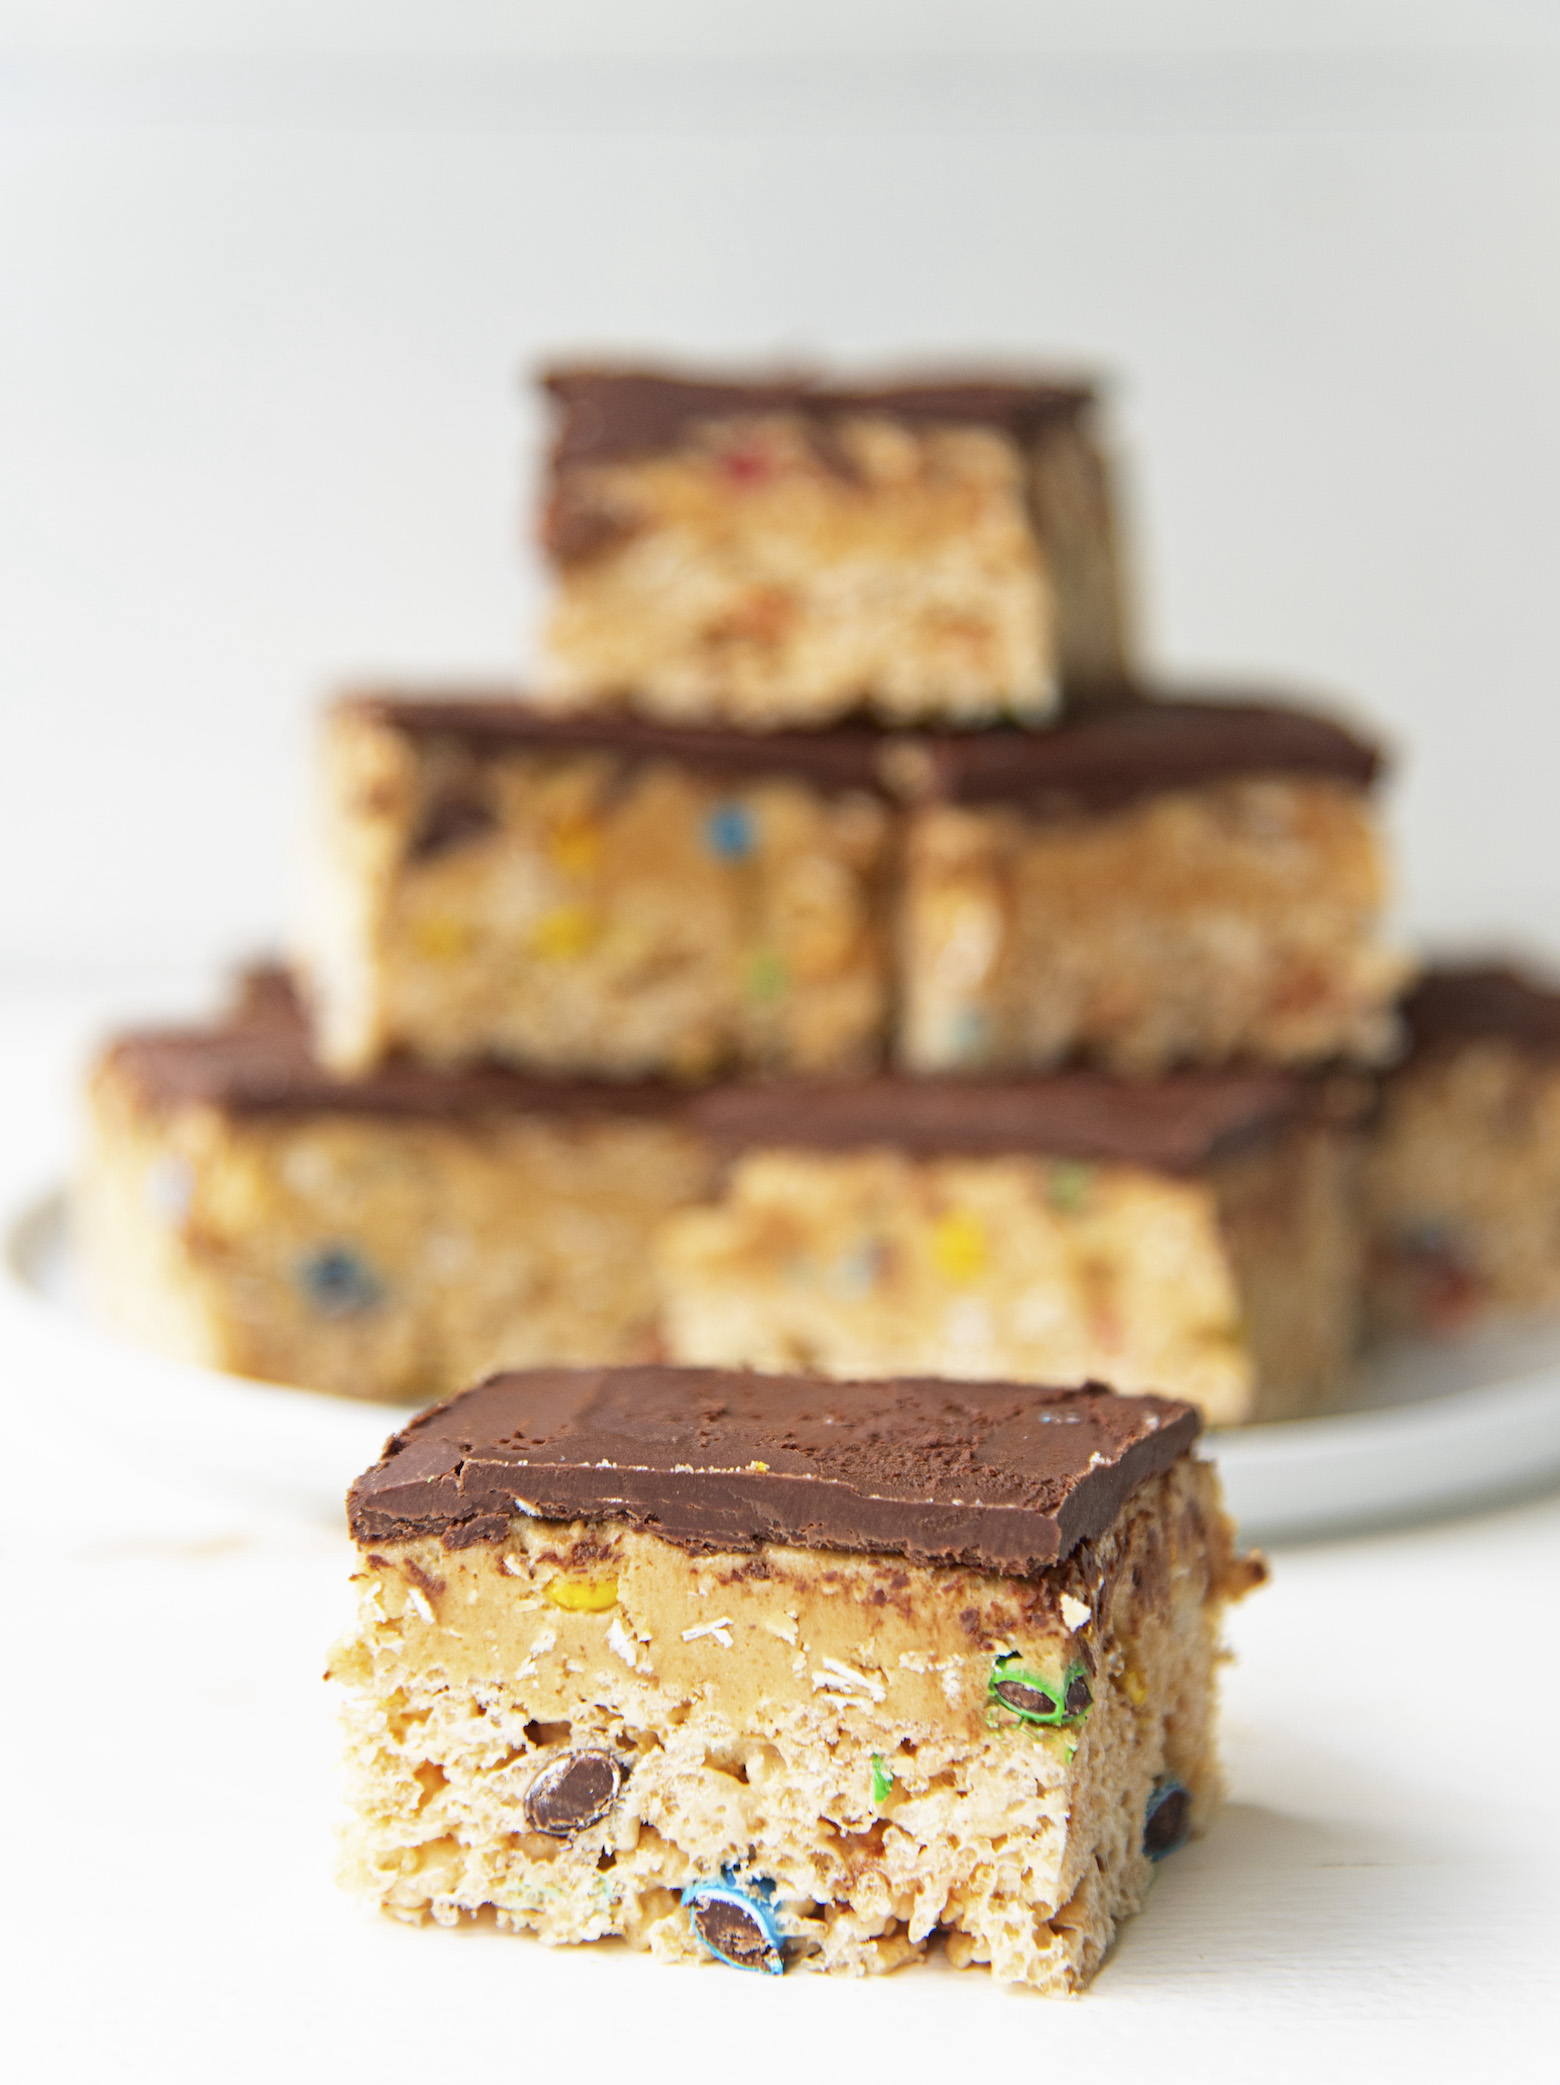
[
  {"x": 1463, "y": 1179},
  {"x": 390, "y": 1237},
  {"x": 783, "y": 1673},
  {"x": 396, "y": 1234},
  {"x": 791, "y": 551},
  {"x": 1196, "y": 1233},
  {"x": 1173, "y": 883},
  {"x": 579, "y": 897},
  {"x": 1157, "y": 882}
]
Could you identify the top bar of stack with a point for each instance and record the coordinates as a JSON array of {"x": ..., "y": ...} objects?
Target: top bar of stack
[{"x": 775, "y": 554}]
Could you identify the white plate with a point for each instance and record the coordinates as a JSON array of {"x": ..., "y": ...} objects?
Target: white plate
[
  {"x": 277, "y": 1445},
  {"x": 1427, "y": 1426}
]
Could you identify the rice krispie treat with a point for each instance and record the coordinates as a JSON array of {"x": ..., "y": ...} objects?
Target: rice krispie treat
[
  {"x": 776, "y": 1673},
  {"x": 1196, "y": 1234},
  {"x": 781, "y": 553},
  {"x": 609, "y": 898},
  {"x": 396, "y": 1235},
  {"x": 390, "y": 1237},
  {"x": 1156, "y": 884},
  {"x": 1463, "y": 1172}
]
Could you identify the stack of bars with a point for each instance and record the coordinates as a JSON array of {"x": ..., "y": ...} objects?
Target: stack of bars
[
  {"x": 839, "y": 963},
  {"x": 841, "y": 1004}
]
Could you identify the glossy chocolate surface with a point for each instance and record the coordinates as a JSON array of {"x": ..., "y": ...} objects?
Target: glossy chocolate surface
[{"x": 1000, "y": 1477}]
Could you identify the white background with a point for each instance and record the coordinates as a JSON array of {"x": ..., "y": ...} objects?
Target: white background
[{"x": 269, "y": 276}]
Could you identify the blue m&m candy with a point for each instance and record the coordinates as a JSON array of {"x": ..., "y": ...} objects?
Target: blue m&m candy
[
  {"x": 338, "y": 1282},
  {"x": 728, "y": 832},
  {"x": 737, "y": 1924}
]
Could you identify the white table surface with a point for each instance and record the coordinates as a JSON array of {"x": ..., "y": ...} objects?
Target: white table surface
[{"x": 1378, "y": 1900}]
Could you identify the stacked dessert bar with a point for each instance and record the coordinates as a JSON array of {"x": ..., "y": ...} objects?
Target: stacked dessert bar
[
  {"x": 785, "y": 1671},
  {"x": 773, "y": 554},
  {"x": 404, "y": 1231},
  {"x": 1463, "y": 1181},
  {"x": 839, "y": 962}
]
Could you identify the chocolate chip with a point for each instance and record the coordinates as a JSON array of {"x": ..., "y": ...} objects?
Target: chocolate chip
[
  {"x": 1027, "y": 1700},
  {"x": 1078, "y": 1695},
  {"x": 734, "y": 1933},
  {"x": 450, "y": 821},
  {"x": 1167, "y": 1821},
  {"x": 571, "y": 1792}
]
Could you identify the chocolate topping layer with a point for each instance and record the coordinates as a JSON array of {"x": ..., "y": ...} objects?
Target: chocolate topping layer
[
  {"x": 1172, "y": 1124},
  {"x": 258, "y": 1063},
  {"x": 847, "y": 757},
  {"x": 1003, "y": 1477},
  {"x": 606, "y": 413},
  {"x": 1482, "y": 1002},
  {"x": 1130, "y": 748},
  {"x": 1134, "y": 748}
]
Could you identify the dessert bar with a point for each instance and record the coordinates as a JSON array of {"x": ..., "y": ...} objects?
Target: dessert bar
[
  {"x": 1152, "y": 884},
  {"x": 1159, "y": 883},
  {"x": 1196, "y": 1234},
  {"x": 777, "y": 1673},
  {"x": 398, "y": 1234},
  {"x": 390, "y": 1237},
  {"x": 1463, "y": 1174},
  {"x": 597, "y": 896},
  {"x": 781, "y": 553}
]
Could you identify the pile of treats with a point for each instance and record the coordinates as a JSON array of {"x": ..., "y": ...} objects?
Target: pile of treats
[
  {"x": 841, "y": 962},
  {"x": 842, "y": 965}
]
